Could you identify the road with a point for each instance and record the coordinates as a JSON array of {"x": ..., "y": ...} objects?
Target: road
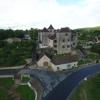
[
  {"x": 9, "y": 71},
  {"x": 64, "y": 89}
]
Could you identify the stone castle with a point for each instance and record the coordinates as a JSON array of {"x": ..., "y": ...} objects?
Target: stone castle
[
  {"x": 62, "y": 40},
  {"x": 56, "y": 49}
]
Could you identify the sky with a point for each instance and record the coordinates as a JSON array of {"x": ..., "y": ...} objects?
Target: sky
[{"x": 26, "y": 14}]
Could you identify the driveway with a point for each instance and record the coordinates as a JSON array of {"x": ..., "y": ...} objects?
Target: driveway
[{"x": 9, "y": 71}]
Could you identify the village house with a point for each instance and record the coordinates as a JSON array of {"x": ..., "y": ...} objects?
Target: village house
[
  {"x": 11, "y": 40},
  {"x": 88, "y": 44},
  {"x": 56, "y": 49},
  {"x": 27, "y": 37}
]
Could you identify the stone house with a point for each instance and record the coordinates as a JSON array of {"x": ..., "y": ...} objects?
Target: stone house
[
  {"x": 27, "y": 37},
  {"x": 11, "y": 40},
  {"x": 58, "y": 63}
]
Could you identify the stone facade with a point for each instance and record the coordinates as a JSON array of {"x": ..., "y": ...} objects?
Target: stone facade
[
  {"x": 62, "y": 40},
  {"x": 47, "y": 63}
]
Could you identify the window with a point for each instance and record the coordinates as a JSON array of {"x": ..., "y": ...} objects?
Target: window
[
  {"x": 74, "y": 65},
  {"x": 68, "y": 46},
  {"x": 40, "y": 41},
  {"x": 55, "y": 46},
  {"x": 64, "y": 70},
  {"x": 73, "y": 43},
  {"x": 68, "y": 66},
  {"x": 63, "y": 40},
  {"x": 66, "y": 34},
  {"x": 63, "y": 46},
  {"x": 55, "y": 41},
  {"x": 57, "y": 68},
  {"x": 55, "y": 51}
]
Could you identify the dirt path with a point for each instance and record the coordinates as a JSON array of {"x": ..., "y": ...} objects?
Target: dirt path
[
  {"x": 39, "y": 89},
  {"x": 14, "y": 94},
  {"x": 83, "y": 95}
]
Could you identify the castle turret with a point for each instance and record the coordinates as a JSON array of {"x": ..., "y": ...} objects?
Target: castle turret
[{"x": 51, "y": 29}]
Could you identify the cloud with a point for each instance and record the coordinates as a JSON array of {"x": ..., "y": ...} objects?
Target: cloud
[{"x": 39, "y": 13}]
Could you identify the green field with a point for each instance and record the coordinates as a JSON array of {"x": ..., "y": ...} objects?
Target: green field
[
  {"x": 26, "y": 92},
  {"x": 6, "y": 84},
  {"x": 88, "y": 90},
  {"x": 25, "y": 79}
]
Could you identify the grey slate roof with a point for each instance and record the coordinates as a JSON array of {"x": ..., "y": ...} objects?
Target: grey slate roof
[
  {"x": 50, "y": 27},
  {"x": 66, "y": 29},
  {"x": 44, "y": 51},
  {"x": 65, "y": 58},
  {"x": 44, "y": 30}
]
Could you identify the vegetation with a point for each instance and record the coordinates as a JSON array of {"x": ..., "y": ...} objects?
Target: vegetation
[
  {"x": 5, "y": 34},
  {"x": 93, "y": 56},
  {"x": 26, "y": 92},
  {"x": 90, "y": 58},
  {"x": 5, "y": 85},
  {"x": 3, "y": 94},
  {"x": 83, "y": 61},
  {"x": 96, "y": 48},
  {"x": 15, "y": 53},
  {"x": 6, "y": 82},
  {"x": 87, "y": 34},
  {"x": 25, "y": 78},
  {"x": 88, "y": 90},
  {"x": 87, "y": 38}
]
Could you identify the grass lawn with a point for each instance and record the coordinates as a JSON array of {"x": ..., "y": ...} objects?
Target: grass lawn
[
  {"x": 3, "y": 94},
  {"x": 88, "y": 90},
  {"x": 25, "y": 78},
  {"x": 26, "y": 92},
  {"x": 6, "y": 82},
  {"x": 5, "y": 85}
]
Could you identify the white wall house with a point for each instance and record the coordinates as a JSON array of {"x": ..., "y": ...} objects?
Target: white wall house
[
  {"x": 46, "y": 62},
  {"x": 65, "y": 66}
]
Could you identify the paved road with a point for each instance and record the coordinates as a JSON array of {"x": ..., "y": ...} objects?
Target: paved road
[
  {"x": 8, "y": 71},
  {"x": 63, "y": 90},
  {"x": 48, "y": 79}
]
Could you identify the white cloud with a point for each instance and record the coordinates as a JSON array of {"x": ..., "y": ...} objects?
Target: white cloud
[{"x": 40, "y": 13}]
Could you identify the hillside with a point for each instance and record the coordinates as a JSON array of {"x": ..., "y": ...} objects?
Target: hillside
[
  {"x": 89, "y": 28},
  {"x": 88, "y": 33}
]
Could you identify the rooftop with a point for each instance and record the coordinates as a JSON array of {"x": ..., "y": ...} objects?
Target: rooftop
[
  {"x": 64, "y": 58},
  {"x": 50, "y": 27},
  {"x": 65, "y": 29},
  {"x": 45, "y": 30}
]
